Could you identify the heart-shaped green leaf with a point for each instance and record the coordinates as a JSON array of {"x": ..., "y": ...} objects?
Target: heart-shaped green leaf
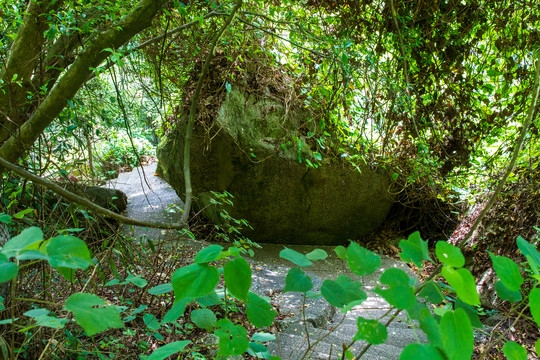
[
  {"x": 93, "y": 314},
  {"x": 66, "y": 251},
  {"x": 449, "y": 255},
  {"x": 513, "y": 351},
  {"x": 295, "y": 257},
  {"x": 532, "y": 254},
  {"x": 297, "y": 280},
  {"x": 194, "y": 280},
  {"x": 341, "y": 252},
  {"x": 258, "y": 350},
  {"x": 175, "y": 311},
  {"x": 161, "y": 289},
  {"x": 463, "y": 283},
  {"x": 208, "y": 254},
  {"x": 508, "y": 271},
  {"x": 259, "y": 311},
  {"x": 237, "y": 274},
  {"x": 371, "y": 331},
  {"x": 232, "y": 338},
  {"x": 415, "y": 250},
  {"x": 204, "y": 318},
  {"x": 399, "y": 293},
  {"x": 457, "y": 335},
  {"x": 361, "y": 261},
  {"x": 507, "y": 294},
  {"x": 342, "y": 291}
]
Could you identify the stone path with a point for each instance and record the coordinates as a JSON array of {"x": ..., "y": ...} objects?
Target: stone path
[{"x": 151, "y": 198}]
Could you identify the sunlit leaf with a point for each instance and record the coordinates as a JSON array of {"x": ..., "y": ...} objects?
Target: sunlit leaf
[
  {"x": 371, "y": 331},
  {"x": 420, "y": 352},
  {"x": 342, "y": 291},
  {"x": 398, "y": 292},
  {"x": 506, "y": 294},
  {"x": 534, "y": 304},
  {"x": 432, "y": 292},
  {"x": 513, "y": 351},
  {"x": 463, "y": 283},
  {"x": 258, "y": 350},
  {"x": 508, "y": 271},
  {"x": 28, "y": 237},
  {"x": 8, "y": 270},
  {"x": 449, "y": 255},
  {"x": 457, "y": 335},
  {"x": 317, "y": 254},
  {"x": 66, "y": 251},
  {"x": 295, "y": 257},
  {"x": 361, "y": 261},
  {"x": 208, "y": 254}
]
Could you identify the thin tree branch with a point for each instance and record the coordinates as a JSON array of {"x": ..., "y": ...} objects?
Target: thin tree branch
[
  {"x": 82, "y": 201},
  {"x": 193, "y": 111},
  {"x": 515, "y": 155}
]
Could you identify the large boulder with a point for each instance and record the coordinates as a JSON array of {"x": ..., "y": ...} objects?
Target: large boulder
[{"x": 284, "y": 200}]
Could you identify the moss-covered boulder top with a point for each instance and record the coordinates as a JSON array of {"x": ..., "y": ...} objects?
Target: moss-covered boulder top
[{"x": 284, "y": 200}]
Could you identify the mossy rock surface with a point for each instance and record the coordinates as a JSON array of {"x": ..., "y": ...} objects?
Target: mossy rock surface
[{"x": 284, "y": 200}]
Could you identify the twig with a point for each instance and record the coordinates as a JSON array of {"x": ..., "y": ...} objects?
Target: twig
[{"x": 193, "y": 111}]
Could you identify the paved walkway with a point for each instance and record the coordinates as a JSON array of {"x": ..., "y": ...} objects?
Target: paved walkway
[{"x": 151, "y": 198}]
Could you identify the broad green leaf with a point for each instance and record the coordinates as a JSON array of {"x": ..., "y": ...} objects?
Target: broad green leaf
[
  {"x": 175, "y": 311},
  {"x": 168, "y": 350},
  {"x": 534, "y": 304},
  {"x": 2, "y": 307},
  {"x": 471, "y": 313},
  {"x": 232, "y": 338},
  {"x": 263, "y": 337},
  {"x": 529, "y": 250},
  {"x": 209, "y": 254},
  {"x": 135, "y": 280},
  {"x": 341, "y": 252},
  {"x": 508, "y": 271},
  {"x": 93, "y": 314},
  {"x": 317, "y": 254},
  {"x": 8, "y": 270},
  {"x": 194, "y": 280},
  {"x": 17, "y": 244},
  {"x": 237, "y": 274},
  {"x": 258, "y": 350},
  {"x": 209, "y": 300},
  {"x": 342, "y": 291},
  {"x": 414, "y": 250},
  {"x": 457, "y": 335},
  {"x": 420, "y": 352},
  {"x": 151, "y": 322},
  {"x": 32, "y": 255},
  {"x": 66, "y": 251},
  {"x": 449, "y": 255},
  {"x": 161, "y": 289},
  {"x": 42, "y": 318},
  {"x": 259, "y": 311},
  {"x": 399, "y": 293},
  {"x": 463, "y": 283},
  {"x": 204, "y": 319},
  {"x": 432, "y": 292},
  {"x": 513, "y": 351},
  {"x": 431, "y": 328},
  {"x": 537, "y": 347},
  {"x": 361, "y": 261},
  {"x": 297, "y": 280},
  {"x": 5, "y": 218},
  {"x": 507, "y": 294},
  {"x": 371, "y": 331},
  {"x": 295, "y": 257}
]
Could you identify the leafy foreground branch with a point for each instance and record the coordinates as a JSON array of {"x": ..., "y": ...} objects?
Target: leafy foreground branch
[{"x": 449, "y": 329}]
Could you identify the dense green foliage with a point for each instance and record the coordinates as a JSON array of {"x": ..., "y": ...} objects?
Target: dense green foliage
[{"x": 435, "y": 93}]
